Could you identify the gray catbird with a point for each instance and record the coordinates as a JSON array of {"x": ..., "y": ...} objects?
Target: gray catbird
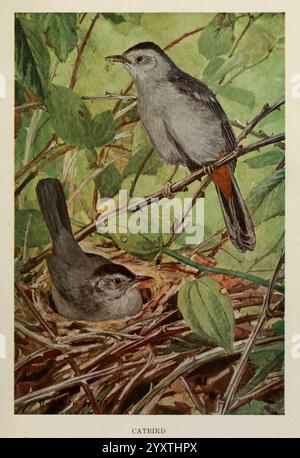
[
  {"x": 86, "y": 286},
  {"x": 187, "y": 125}
]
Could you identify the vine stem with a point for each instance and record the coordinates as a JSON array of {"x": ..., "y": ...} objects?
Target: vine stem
[
  {"x": 238, "y": 373},
  {"x": 219, "y": 270}
]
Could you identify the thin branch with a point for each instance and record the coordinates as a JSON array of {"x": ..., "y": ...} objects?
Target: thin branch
[
  {"x": 238, "y": 373},
  {"x": 28, "y": 106},
  {"x": 131, "y": 384},
  {"x": 87, "y": 389},
  {"x": 182, "y": 37},
  {"x": 248, "y": 67},
  {"x": 250, "y": 22},
  {"x": 109, "y": 96},
  {"x": 59, "y": 151},
  {"x": 80, "y": 50},
  {"x": 197, "y": 401},
  {"x": 22, "y": 293},
  {"x": 275, "y": 385},
  {"x": 265, "y": 111},
  {"x": 192, "y": 363},
  {"x": 139, "y": 172},
  {"x": 48, "y": 147},
  {"x": 176, "y": 187}
]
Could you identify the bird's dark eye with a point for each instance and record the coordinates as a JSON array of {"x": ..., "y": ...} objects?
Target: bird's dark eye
[
  {"x": 117, "y": 281},
  {"x": 139, "y": 59}
]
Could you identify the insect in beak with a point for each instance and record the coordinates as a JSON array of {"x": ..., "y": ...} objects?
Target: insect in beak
[{"x": 119, "y": 59}]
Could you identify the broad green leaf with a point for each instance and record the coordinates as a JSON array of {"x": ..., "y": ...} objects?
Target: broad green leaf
[
  {"x": 262, "y": 260},
  {"x": 109, "y": 181},
  {"x": 269, "y": 364},
  {"x": 69, "y": 116},
  {"x": 217, "y": 38},
  {"x": 208, "y": 311},
  {"x": 30, "y": 222},
  {"x": 263, "y": 159},
  {"x": 150, "y": 168},
  {"x": 102, "y": 129},
  {"x": 237, "y": 94},
  {"x": 253, "y": 408},
  {"x": 211, "y": 69},
  {"x": 143, "y": 245},
  {"x": 61, "y": 34},
  {"x": 32, "y": 57},
  {"x": 266, "y": 200},
  {"x": 235, "y": 61}
]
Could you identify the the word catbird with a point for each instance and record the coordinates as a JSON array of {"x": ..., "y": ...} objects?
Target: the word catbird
[
  {"x": 85, "y": 286},
  {"x": 187, "y": 126}
]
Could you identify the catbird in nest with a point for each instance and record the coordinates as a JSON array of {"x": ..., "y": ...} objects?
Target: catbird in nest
[
  {"x": 187, "y": 126},
  {"x": 86, "y": 286}
]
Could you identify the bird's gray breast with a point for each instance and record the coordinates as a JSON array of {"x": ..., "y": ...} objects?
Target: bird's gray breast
[{"x": 181, "y": 128}]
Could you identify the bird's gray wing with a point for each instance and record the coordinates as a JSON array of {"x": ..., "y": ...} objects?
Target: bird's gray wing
[{"x": 200, "y": 93}]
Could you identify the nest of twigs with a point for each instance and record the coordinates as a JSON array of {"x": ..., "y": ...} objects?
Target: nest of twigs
[{"x": 149, "y": 363}]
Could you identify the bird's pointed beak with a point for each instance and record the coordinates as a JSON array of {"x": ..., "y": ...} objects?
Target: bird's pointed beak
[
  {"x": 139, "y": 279},
  {"x": 118, "y": 58}
]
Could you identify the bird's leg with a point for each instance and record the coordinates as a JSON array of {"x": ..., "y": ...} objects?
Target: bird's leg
[{"x": 167, "y": 188}]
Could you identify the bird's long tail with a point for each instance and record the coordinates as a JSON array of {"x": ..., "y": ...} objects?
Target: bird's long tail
[
  {"x": 236, "y": 215},
  {"x": 53, "y": 205}
]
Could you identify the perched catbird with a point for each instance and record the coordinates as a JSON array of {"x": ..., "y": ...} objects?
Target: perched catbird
[
  {"x": 187, "y": 125},
  {"x": 86, "y": 286}
]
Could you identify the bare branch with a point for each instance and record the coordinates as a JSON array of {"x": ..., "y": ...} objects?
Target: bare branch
[{"x": 238, "y": 373}]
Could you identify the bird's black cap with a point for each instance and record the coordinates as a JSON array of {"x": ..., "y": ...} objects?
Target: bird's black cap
[{"x": 146, "y": 45}]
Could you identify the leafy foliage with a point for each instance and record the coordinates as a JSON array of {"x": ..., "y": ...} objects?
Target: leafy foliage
[
  {"x": 58, "y": 62},
  {"x": 61, "y": 33},
  {"x": 32, "y": 57}
]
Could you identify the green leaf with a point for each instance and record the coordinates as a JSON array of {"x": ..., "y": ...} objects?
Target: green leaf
[
  {"x": 61, "y": 34},
  {"x": 30, "y": 222},
  {"x": 208, "y": 311},
  {"x": 41, "y": 136},
  {"x": 135, "y": 18},
  {"x": 216, "y": 39},
  {"x": 266, "y": 365},
  {"x": 264, "y": 356},
  {"x": 236, "y": 61},
  {"x": 253, "y": 408},
  {"x": 103, "y": 129},
  {"x": 266, "y": 200},
  {"x": 263, "y": 159},
  {"x": 143, "y": 245},
  {"x": 20, "y": 94},
  {"x": 237, "y": 94},
  {"x": 212, "y": 68},
  {"x": 32, "y": 57},
  {"x": 278, "y": 327},
  {"x": 114, "y": 18},
  {"x": 109, "y": 181},
  {"x": 150, "y": 168},
  {"x": 70, "y": 118}
]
